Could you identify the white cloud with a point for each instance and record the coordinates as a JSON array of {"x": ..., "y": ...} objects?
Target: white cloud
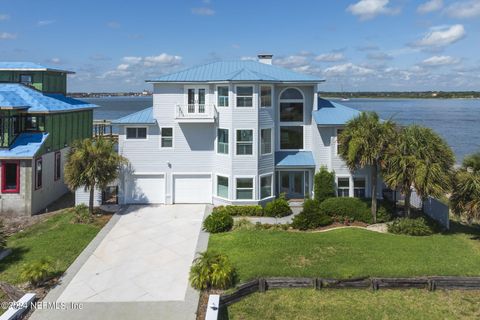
[
  {"x": 348, "y": 69},
  {"x": 54, "y": 60},
  {"x": 430, "y": 6},
  {"x": 7, "y": 36},
  {"x": 437, "y": 61},
  {"x": 442, "y": 36},
  {"x": 203, "y": 11},
  {"x": 380, "y": 56},
  {"x": 368, "y": 9},
  {"x": 4, "y": 17},
  {"x": 113, "y": 24},
  {"x": 466, "y": 9},
  {"x": 330, "y": 57},
  {"x": 43, "y": 23}
]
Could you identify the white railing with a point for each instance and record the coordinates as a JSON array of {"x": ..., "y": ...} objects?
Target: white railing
[{"x": 196, "y": 111}]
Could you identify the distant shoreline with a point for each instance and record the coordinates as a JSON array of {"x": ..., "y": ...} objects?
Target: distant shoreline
[{"x": 397, "y": 98}]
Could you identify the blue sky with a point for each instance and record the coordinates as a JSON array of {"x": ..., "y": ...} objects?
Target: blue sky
[{"x": 355, "y": 44}]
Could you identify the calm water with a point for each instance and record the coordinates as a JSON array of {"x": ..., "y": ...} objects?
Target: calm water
[{"x": 457, "y": 120}]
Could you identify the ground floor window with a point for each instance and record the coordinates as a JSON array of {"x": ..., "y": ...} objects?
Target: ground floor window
[
  {"x": 291, "y": 137},
  {"x": 343, "y": 187},
  {"x": 110, "y": 195},
  {"x": 244, "y": 188},
  {"x": 265, "y": 187},
  {"x": 10, "y": 177},
  {"x": 222, "y": 187},
  {"x": 38, "y": 173},
  {"x": 359, "y": 187},
  {"x": 57, "y": 165}
]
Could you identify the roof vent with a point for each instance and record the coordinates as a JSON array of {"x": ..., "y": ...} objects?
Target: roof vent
[{"x": 265, "y": 58}]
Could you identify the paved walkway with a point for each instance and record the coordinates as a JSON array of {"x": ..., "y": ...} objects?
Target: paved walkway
[{"x": 138, "y": 269}]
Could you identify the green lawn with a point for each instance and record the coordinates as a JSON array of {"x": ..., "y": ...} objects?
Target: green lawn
[
  {"x": 347, "y": 253},
  {"x": 55, "y": 238},
  {"x": 357, "y": 304}
]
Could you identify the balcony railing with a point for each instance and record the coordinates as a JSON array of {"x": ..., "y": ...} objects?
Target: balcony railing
[{"x": 196, "y": 113}]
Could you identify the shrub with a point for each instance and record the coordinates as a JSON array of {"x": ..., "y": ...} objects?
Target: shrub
[
  {"x": 277, "y": 208},
  {"x": 311, "y": 217},
  {"x": 355, "y": 209},
  {"x": 3, "y": 237},
  {"x": 81, "y": 214},
  {"x": 243, "y": 224},
  {"x": 324, "y": 185},
  {"x": 244, "y": 211},
  {"x": 409, "y": 226},
  {"x": 36, "y": 272},
  {"x": 212, "y": 271},
  {"x": 218, "y": 221}
]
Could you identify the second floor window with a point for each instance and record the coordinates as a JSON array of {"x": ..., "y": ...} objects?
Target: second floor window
[
  {"x": 167, "y": 137},
  {"x": 265, "y": 96},
  {"x": 136, "y": 133},
  {"x": 266, "y": 141},
  {"x": 26, "y": 79},
  {"x": 244, "y": 96},
  {"x": 222, "y": 93},
  {"x": 222, "y": 141},
  {"x": 35, "y": 123},
  {"x": 244, "y": 142}
]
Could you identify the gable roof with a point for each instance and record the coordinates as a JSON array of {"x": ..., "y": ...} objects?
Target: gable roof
[
  {"x": 19, "y": 96},
  {"x": 236, "y": 70},
  {"x": 25, "y": 145},
  {"x": 144, "y": 116},
  {"x": 332, "y": 113},
  {"x": 28, "y": 66}
]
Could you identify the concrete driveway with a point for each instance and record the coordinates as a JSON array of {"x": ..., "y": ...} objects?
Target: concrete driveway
[{"x": 144, "y": 258}]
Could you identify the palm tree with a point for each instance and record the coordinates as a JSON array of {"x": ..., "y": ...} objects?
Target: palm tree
[
  {"x": 420, "y": 159},
  {"x": 363, "y": 143},
  {"x": 91, "y": 163},
  {"x": 472, "y": 162},
  {"x": 465, "y": 198}
]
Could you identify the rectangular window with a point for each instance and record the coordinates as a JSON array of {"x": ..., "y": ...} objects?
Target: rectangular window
[
  {"x": 265, "y": 187},
  {"x": 343, "y": 187},
  {"x": 339, "y": 131},
  {"x": 244, "y": 96},
  {"x": 38, "y": 173},
  {"x": 167, "y": 137},
  {"x": 58, "y": 166},
  {"x": 26, "y": 79},
  {"x": 244, "y": 142},
  {"x": 291, "y": 112},
  {"x": 136, "y": 133},
  {"x": 265, "y": 96},
  {"x": 222, "y": 93},
  {"x": 10, "y": 177},
  {"x": 222, "y": 187},
  {"x": 266, "y": 141},
  {"x": 244, "y": 188},
  {"x": 35, "y": 123},
  {"x": 222, "y": 141},
  {"x": 359, "y": 187},
  {"x": 291, "y": 138}
]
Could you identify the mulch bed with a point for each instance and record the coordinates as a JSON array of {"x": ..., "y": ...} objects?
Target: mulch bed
[{"x": 203, "y": 301}]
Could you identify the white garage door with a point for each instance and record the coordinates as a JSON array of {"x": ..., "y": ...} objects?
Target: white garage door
[
  {"x": 145, "y": 189},
  {"x": 192, "y": 188}
]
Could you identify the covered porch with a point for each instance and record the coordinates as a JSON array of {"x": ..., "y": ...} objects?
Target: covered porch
[{"x": 294, "y": 172}]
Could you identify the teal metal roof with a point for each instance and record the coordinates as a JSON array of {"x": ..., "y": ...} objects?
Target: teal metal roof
[
  {"x": 144, "y": 116},
  {"x": 294, "y": 159},
  {"x": 19, "y": 96},
  {"x": 28, "y": 66},
  {"x": 25, "y": 145},
  {"x": 237, "y": 70},
  {"x": 332, "y": 113}
]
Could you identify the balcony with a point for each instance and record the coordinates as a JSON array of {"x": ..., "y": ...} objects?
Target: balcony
[{"x": 196, "y": 113}]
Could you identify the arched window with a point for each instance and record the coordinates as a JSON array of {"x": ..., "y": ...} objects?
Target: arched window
[
  {"x": 291, "y": 106},
  {"x": 291, "y": 94}
]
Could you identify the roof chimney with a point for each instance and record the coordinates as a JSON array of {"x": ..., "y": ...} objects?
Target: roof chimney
[{"x": 265, "y": 58}]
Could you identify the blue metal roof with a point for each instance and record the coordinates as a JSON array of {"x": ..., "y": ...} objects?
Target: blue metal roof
[
  {"x": 332, "y": 113},
  {"x": 294, "y": 159},
  {"x": 28, "y": 66},
  {"x": 144, "y": 116},
  {"x": 26, "y": 145},
  {"x": 237, "y": 70},
  {"x": 19, "y": 96}
]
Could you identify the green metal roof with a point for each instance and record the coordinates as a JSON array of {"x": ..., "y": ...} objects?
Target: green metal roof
[{"x": 28, "y": 66}]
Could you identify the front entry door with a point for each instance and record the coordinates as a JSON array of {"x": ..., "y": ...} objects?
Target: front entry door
[
  {"x": 196, "y": 99},
  {"x": 292, "y": 184}
]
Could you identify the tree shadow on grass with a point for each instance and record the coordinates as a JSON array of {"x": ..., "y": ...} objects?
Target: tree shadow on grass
[
  {"x": 223, "y": 313},
  {"x": 457, "y": 227},
  {"x": 14, "y": 257}
]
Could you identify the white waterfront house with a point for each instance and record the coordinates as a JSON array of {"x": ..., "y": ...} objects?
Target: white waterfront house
[{"x": 233, "y": 132}]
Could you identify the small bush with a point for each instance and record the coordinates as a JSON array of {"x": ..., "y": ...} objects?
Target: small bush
[
  {"x": 323, "y": 185},
  {"x": 277, "y": 208},
  {"x": 81, "y": 214},
  {"x": 243, "y": 211},
  {"x": 218, "y": 221},
  {"x": 311, "y": 217},
  {"x": 411, "y": 227},
  {"x": 3, "y": 237},
  {"x": 212, "y": 271},
  {"x": 36, "y": 272},
  {"x": 355, "y": 209},
  {"x": 243, "y": 224}
]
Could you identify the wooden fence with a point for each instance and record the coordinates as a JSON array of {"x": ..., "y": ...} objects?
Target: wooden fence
[{"x": 428, "y": 283}]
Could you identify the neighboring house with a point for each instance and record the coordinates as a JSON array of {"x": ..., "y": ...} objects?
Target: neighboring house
[
  {"x": 38, "y": 123},
  {"x": 233, "y": 132}
]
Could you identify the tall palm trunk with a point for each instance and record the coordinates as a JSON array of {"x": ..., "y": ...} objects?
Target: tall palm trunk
[
  {"x": 374, "y": 173},
  {"x": 90, "y": 201},
  {"x": 408, "y": 194}
]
